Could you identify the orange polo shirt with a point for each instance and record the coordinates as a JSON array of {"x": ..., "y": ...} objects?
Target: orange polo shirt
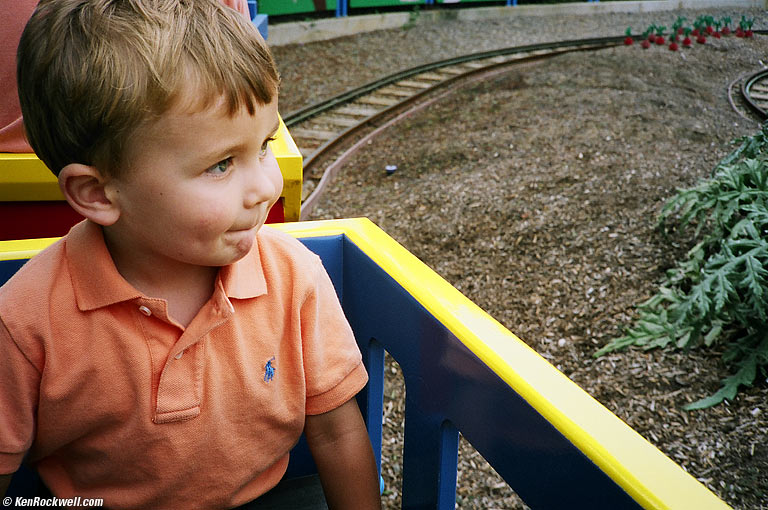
[{"x": 111, "y": 398}]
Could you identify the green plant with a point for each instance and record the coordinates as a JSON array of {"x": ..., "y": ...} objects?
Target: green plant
[
  {"x": 413, "y": 18},
  {"x": 717, "y": 295}
]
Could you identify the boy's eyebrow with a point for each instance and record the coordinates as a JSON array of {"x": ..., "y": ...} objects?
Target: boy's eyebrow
[{"x": 218, "y": 155}]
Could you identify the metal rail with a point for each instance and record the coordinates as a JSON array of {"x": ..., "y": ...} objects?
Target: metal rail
[
  {"x": 321, "y": 128},
  {"x": 322, "y": 106},
  {"x": 754, "y": 89}
]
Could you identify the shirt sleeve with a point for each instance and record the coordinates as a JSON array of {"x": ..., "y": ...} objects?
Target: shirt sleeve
[
  {"x": 19, "y": 391},
  {"x": 333, "y": 366}
]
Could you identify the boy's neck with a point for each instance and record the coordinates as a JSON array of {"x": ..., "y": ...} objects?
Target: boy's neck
[{"x": 185, "y": 287}]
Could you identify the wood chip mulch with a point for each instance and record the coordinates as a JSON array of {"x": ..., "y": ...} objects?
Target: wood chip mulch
[{"x": 536, "y": 195}]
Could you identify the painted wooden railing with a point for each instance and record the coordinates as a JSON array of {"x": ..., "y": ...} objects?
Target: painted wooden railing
[{"x": 465, "y": 373}]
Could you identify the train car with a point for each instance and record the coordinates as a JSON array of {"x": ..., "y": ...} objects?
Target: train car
[
  {"x": 464, "y": 373},
  {"x": 507, "y": 2},
  {"x": 32, "y": 206},
  {"x": 385, "y": 3},
  {"x": 286, "y": 7},
  {"x": 341, "y": 7}
]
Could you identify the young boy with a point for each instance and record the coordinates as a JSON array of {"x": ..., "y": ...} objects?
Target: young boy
[{"x": 169, "y": 351}]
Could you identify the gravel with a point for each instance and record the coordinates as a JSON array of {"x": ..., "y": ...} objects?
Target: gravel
[{"x": 535, "y": 194}]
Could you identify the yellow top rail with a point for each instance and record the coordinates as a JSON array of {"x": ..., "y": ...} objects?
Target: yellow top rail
[{"x": 24, "y": 178}]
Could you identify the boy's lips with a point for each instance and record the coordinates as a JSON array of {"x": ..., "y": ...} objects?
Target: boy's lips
[
  {"x": 245, "y": 228},
  {"x": 256, "y": 223}
]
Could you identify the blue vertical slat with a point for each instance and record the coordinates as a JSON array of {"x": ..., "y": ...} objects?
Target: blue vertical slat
[
  {"x": 341, "y": 7},
  {"x": 371, "y": 399}
]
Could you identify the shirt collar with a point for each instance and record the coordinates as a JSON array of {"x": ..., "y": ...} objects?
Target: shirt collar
[
  {"x": 245, "y": 278},
  {"x": 97, "y": 283}
]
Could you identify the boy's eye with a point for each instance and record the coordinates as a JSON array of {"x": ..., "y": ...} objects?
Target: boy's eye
[
  {"x": 265, "y": 146},
  {"x": 221, "y": 167}
]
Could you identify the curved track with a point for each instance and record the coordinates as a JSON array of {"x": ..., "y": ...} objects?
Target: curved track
[
  {"x": 754, "y": 89},
  {"x": 325, "y": 131},
  {"x": 322, "y": 129}
]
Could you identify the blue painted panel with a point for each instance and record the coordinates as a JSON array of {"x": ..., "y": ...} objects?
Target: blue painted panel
[
  {"x": 447, "y": 383},
  {"x": 330, "y": 252},
  {"x": 8, "y": 268}
]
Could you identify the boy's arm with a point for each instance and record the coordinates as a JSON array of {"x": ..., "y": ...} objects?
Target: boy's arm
[
  {"x": 342, "y": 452},
  {"x": 5, "y": 481}
]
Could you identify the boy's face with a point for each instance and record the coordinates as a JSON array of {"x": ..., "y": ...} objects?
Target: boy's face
[{"x": 197, "y": 186}]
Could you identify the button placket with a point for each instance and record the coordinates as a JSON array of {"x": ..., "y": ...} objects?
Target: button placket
[{"x": 180, "y": 388}]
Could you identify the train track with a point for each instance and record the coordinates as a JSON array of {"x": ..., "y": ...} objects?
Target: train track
[
  {"x": 346, "y": 122},
  {"x": 754, "y": 89},
  {"x": 331, "y": 131}
]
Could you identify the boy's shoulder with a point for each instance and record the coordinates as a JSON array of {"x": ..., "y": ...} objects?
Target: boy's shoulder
[
  {"x": 273, "y": 243},
  {"x": 271, "y": 235},
  {"x": 285, "y": 262}
]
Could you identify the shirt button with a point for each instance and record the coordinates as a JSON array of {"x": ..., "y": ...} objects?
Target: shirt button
[
  {"x": 179, "y": 355},
  {"x": 146, "y": 311}
]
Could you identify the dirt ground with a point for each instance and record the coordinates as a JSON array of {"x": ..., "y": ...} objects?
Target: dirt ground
[{"x": 536, "y": 194}]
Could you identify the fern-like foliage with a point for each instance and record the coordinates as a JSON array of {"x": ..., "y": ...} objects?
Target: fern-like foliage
[{"x": 719, "y": 293}]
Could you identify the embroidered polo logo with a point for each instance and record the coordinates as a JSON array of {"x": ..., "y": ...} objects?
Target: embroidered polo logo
[{"x": 269, "y": 370}]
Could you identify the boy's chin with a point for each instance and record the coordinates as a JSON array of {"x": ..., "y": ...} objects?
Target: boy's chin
[{"x": 239, "y": 243}]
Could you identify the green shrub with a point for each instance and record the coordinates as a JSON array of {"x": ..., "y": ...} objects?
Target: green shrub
[{"x": 719, "y": 293}]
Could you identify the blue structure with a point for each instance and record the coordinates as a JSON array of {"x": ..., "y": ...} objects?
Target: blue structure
[
  {"x": 464, "y": 372},
  {"x": 260, "y": 20}
]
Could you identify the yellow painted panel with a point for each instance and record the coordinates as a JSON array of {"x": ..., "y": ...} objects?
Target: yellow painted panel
[
  {"x": 24, "y": 248},
  {"x": 291, "y": 166},
  {"x": 24, "y": 178}
]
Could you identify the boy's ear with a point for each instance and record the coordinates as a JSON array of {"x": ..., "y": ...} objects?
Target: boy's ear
[{"x": 87, "y": 191}]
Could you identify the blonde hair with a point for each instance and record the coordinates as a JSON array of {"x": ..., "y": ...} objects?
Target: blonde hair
[{"x": 91, "y": 71}]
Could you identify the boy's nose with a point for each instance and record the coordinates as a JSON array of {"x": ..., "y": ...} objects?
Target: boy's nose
[
  {"x": 258, "y": 189},
  {"x": 261, "y": 184}
]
